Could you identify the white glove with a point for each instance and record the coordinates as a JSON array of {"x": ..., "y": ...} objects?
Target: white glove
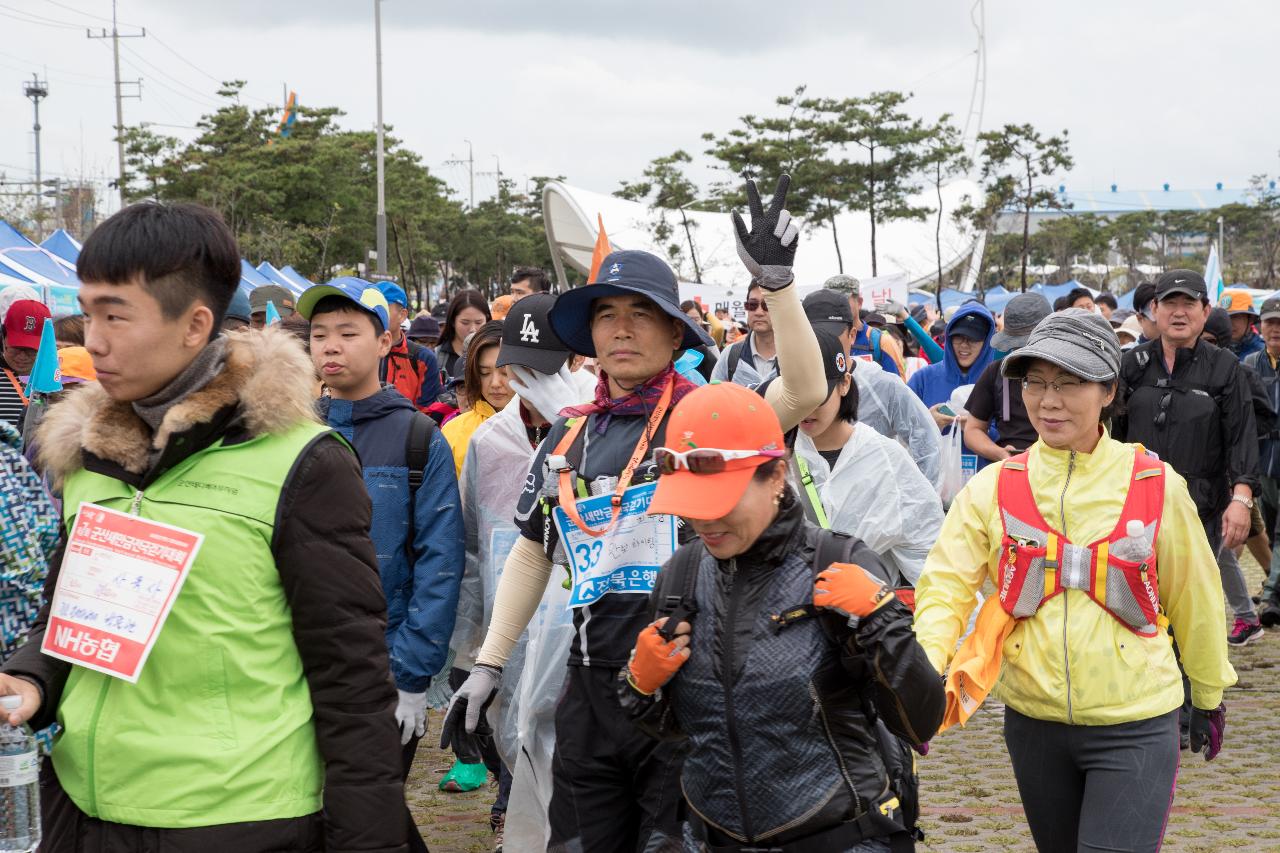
[
  {"x": 548, "y": 393},
  {"x": 411, "y": 715}
]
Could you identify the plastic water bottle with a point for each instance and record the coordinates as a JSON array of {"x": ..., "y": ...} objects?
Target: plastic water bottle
[
  {"x": 19, "y": 784},
  {"x": 1135, "y": 547}
]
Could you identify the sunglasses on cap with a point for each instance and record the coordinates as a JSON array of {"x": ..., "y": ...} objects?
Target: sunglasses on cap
[
  {"x": 754, "y": 304},
  {"x": 703, "y": 460}
]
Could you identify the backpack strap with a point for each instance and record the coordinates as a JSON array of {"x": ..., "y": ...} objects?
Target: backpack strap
[
  {"x": 417, "y": 449},
  {"x": 812, "y": 500},
  {"x": 734, "y": 356},
  {"x": 682, "y": 574}
]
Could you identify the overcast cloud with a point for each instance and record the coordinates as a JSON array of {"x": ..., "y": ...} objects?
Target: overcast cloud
[{"x": 1150, "y": 91}]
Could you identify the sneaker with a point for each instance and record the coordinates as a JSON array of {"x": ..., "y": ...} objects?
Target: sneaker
[
  {"x": 464, "y": 777},
  {"x": 497, "y": 825},
  {"x": 1244, "y": 632},
  {"x": 1269, "y": 615}
]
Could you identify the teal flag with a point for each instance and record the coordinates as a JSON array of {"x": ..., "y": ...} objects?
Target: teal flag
[
  {"x": 273, "y": 314},
  {"x": 46, "y": 376}
]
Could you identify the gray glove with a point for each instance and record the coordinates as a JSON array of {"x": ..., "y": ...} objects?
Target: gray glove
[
  {"x": 548, "y": 393},
  {"x": 465, "y": 729},
  {"x": 411, "y": 715},
  {"x": 893, "y": 309},
  {"x": 768, "y": 250}
]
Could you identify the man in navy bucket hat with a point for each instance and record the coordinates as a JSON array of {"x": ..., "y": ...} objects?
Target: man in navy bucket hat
[
  {"x": 622, "y": 273},
  {"x": 586, "y": 494}
]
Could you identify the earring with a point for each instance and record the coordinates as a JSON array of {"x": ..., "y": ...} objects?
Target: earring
[{"x": 777, "y": 499}]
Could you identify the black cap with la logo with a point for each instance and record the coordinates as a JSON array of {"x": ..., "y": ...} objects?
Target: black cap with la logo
[{"x": 527, "y": 337}]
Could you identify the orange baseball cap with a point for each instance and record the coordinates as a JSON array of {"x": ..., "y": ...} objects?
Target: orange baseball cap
[
  {"x": 500, "y": 307},
  {"x": 1237, "y": 302},
  {"x": 723, "y": 416},
  {"x": 76, "y": 365}
]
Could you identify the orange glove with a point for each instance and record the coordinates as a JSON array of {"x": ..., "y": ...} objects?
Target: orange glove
[
  {"x": 654, "y": 660},
  {"x": 850, "y": 590}
]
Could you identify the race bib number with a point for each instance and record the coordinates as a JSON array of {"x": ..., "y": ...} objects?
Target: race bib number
[
  {"x": 628, "y": 557},
  {"x": 968, "y": 467},
  {"x": 120, "y": 576}
]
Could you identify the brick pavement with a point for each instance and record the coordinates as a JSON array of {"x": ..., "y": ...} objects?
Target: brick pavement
[{"x": 969, "y": 795}]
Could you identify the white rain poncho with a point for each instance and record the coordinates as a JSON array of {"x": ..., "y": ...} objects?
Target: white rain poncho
[
  {"x": 876, "y": 493},
  {"x": 888, "y": 406}
]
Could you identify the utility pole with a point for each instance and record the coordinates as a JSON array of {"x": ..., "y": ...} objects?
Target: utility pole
[
  {"x": 382, "y": 190},
  {"x": 470, "y": 163},
  {"x": 115, "y": 37},
  {"x": 35, "y": 90},
  {"x": 497, "y": 173}
]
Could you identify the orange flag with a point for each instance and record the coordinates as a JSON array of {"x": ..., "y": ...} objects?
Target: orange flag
[{"x": 601, "y": 250}]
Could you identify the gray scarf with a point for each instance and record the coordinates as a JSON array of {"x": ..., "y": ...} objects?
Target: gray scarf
[{"x": 197, "y": 374}]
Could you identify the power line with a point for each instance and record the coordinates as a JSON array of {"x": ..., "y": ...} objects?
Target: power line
[
  {"x": 198, "y": 94},
  {"x": 89, "y": 14},
  {"x": 39, "y": 20}
]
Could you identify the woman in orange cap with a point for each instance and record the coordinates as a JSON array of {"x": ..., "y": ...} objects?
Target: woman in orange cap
[{"x": 771, "y": 642}]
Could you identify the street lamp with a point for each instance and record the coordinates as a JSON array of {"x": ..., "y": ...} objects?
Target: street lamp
[{"x": 382, "y": 192}]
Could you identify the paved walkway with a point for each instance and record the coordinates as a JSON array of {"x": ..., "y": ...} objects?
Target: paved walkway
[{"x": 971, "y": 799}]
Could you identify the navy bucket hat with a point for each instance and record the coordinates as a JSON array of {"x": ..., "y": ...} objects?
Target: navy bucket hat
[{"x": 622, "y": 273}]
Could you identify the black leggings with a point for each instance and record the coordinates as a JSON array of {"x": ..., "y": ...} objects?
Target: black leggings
[{"x": 1095, "y": 787}]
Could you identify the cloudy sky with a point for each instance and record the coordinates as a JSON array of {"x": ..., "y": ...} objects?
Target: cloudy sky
[{"x": 1151, "y": 92}]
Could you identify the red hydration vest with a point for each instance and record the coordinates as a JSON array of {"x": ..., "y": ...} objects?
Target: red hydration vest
[{"x": 1038, "y": 562}]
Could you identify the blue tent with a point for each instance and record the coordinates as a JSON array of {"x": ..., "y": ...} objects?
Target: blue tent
[
  {"x": 296, "y": 277},
  {"x": 250, "y": 278},
  {"x": 277, "y": 277},
  {"x": 63, "y": 245}
]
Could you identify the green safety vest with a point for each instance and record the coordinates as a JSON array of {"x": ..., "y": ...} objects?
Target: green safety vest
[{"x": 218, "y": 729}]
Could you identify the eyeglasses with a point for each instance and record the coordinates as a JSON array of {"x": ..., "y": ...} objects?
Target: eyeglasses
[
  {"x": 1035, "y": 388},
  {"x": 703, "y": 460},
  {"x": 756, "y": 305},
  {"x": 1163, "y": 414}
]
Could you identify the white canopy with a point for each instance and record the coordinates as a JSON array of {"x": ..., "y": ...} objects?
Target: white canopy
[{"x": 903, "y": 248}]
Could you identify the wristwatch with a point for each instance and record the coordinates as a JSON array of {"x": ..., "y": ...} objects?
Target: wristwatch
[{"x": 1242, "y": 499}]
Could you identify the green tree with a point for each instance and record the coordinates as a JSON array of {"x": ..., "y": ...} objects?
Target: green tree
[
  {"x": 1061, "y": 241},
  {"x": 1130, "y": 233},
  {"x": 942, "y": 158},
  {"x": 1016, "y": 159},
  {"x": 664, "y": 186},
  {"x": 890, "y": 139}
]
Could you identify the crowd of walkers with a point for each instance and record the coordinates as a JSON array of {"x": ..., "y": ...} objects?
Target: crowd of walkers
[{"x": 675, "y": 580}]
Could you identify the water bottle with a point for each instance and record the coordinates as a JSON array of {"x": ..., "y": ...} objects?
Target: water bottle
[
  {"x": 1135, "y": 547},
  {"x": 19, "y": 784}
]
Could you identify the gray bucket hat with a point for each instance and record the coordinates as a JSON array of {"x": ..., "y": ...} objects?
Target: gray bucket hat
[
  {"x": 1078, "y": 341},
  {"x": 1023, "y": 313}
]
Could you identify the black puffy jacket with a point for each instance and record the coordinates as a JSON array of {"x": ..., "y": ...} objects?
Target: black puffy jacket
[
  {"x": 1199, "y": 419},
  {"x": 780, "y": 721}
]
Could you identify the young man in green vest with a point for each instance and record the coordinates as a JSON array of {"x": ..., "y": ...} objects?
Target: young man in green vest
[{"x": 263, "y": 719}]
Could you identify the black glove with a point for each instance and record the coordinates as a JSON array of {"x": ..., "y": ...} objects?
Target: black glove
[
  {"x": 768, "y": 250},
  {"x": 1207, "y": 729},
  {"x": 466, "y": 729}
]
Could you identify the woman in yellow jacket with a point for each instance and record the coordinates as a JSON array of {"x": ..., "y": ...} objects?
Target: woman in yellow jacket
[
  {"x": 486, "y": 387},
  {"x": 1085, "y": 600}
]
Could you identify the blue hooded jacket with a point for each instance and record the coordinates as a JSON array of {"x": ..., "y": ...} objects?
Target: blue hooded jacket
[
  {"x": 934, "y": 383},
  {"x": 422, "y": 591}
]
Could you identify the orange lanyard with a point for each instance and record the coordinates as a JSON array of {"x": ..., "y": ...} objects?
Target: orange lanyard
[
  {"x": 17, "y": 386},
  {"x": 567, "y": 501}
]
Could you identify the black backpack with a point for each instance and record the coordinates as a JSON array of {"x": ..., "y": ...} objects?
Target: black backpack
[{"x": 898, "y": 756}]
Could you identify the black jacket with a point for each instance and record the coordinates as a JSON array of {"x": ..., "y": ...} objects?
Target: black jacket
[
  {"x": 1199, "y": 419},
  {"x": 327, "y": 568},
  {"x": 875, "y": 668}
]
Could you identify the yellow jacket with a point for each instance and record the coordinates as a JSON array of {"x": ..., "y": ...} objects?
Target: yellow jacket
[
  {"x": 459, "y": 430},
  {"x": 1072, "y": 662}
]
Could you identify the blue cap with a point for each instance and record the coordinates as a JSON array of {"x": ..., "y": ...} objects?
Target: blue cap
[
  {"x": 239, "y": 307},
  {"x": 361, "y": 293},
  {"x": 393, "y": 292}
]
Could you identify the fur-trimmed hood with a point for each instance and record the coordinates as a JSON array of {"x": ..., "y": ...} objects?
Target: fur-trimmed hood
[{"x": 266, "y": 373}]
